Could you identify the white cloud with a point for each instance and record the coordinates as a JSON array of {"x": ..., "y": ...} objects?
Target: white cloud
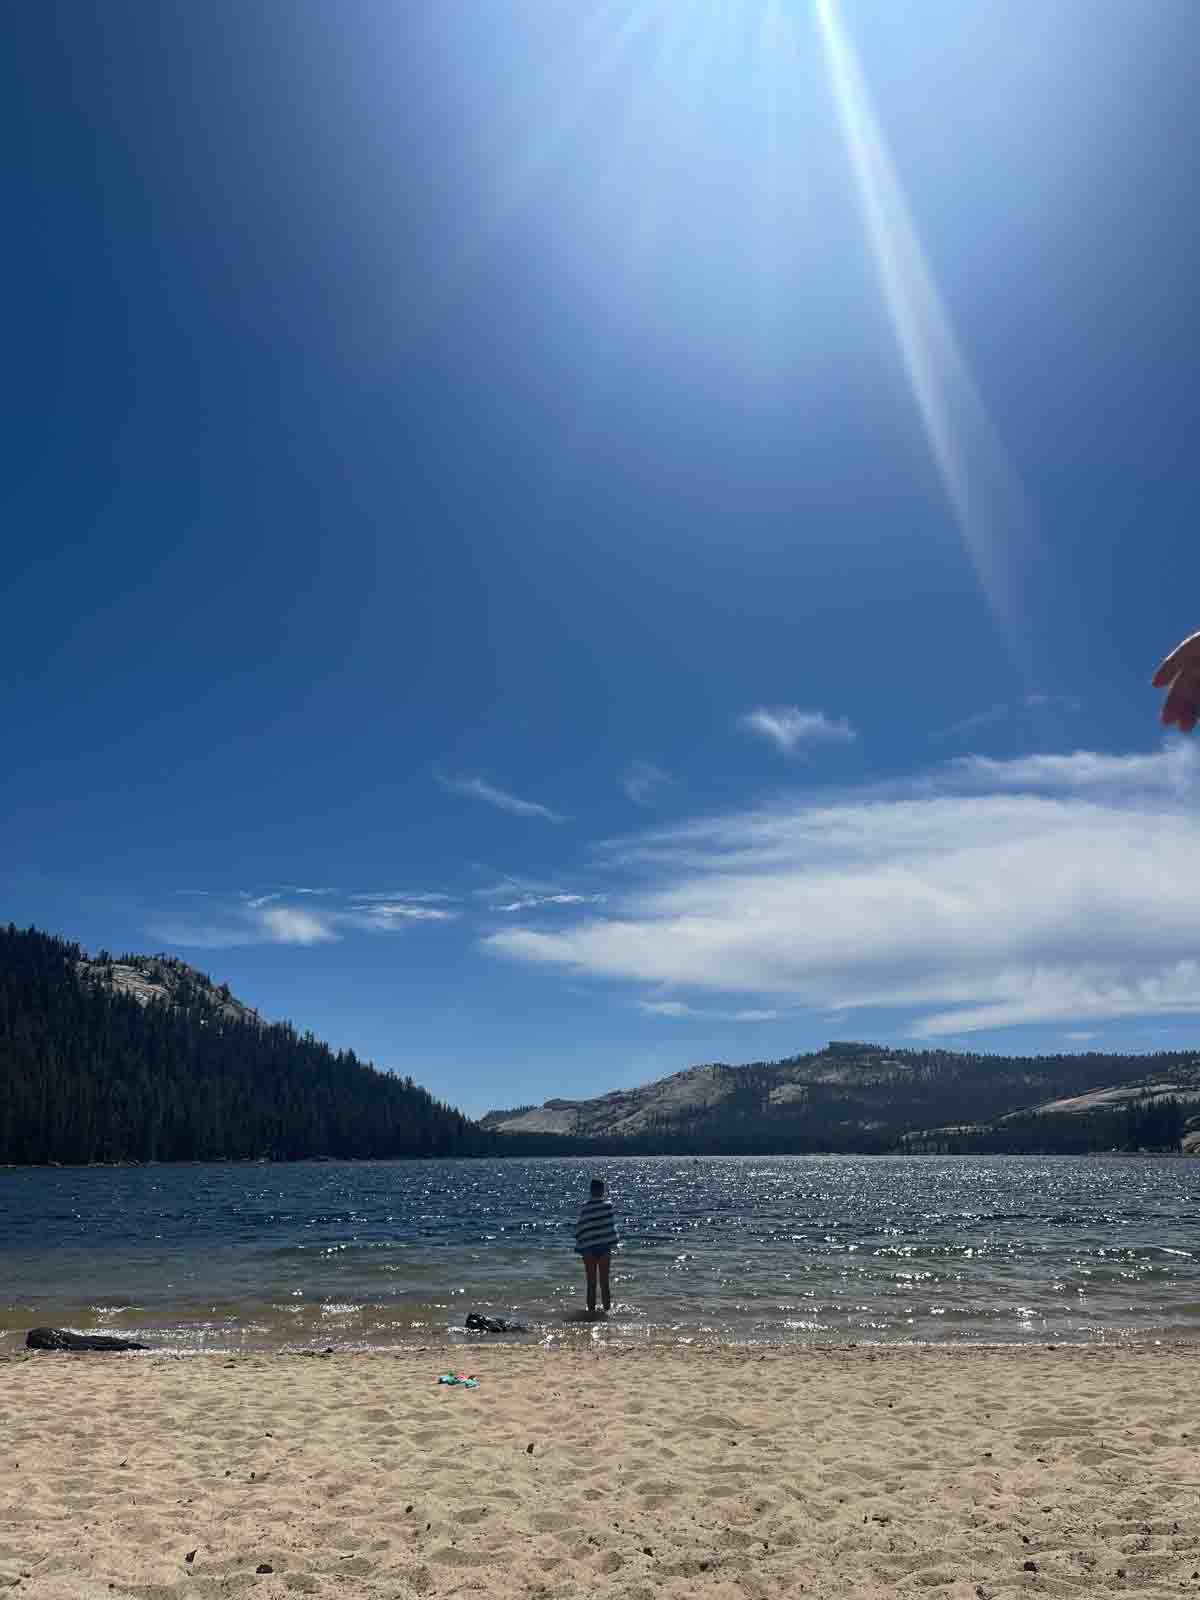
[
  {"x": 480, "y": 789},
  {"x": 1049, "y": 889},
  {"x": 789, "y": 728},
  {"x": 1170, "y": 771},
  {"x": 1105, "y": 990},
  {"x": 642, "y": 780},
  {"x": 251, "y": 923},
  {"x": 291, "y": 925}
]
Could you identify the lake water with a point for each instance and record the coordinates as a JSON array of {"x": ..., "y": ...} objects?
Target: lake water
[{"x": 824, "y": 1249}]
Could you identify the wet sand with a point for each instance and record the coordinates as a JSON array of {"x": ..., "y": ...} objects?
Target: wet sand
[{"x": 650, "y": 1473}]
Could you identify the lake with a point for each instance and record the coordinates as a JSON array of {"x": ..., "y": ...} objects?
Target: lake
[{"x": 796, "y": 1249}]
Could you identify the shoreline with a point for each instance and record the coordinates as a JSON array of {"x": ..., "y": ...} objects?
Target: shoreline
[
  {"x": 596, "y": 1350},
  {"x": 579, "y": 1334},
  {"x": 613, "y": 1155},
  {"x": 471, "y": 1345},
  {"x": 626, "y": 1471}
]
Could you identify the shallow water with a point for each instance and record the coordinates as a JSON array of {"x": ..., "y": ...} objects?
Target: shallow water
[{"x": 800, "y": 1249}]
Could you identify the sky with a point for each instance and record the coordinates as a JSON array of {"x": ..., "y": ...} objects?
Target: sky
[{"x": 548, "y": 544}]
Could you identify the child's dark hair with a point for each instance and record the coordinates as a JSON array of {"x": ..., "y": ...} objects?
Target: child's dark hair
[{"x": 597, "y": 1186}]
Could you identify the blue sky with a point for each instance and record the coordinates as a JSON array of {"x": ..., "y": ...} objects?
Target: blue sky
[{"x": 552, "y": 543}]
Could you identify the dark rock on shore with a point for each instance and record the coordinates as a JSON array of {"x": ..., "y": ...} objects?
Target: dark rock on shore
[
  {"x": 480, "y": 1324},
  {"x": 61, "y": 1339}
]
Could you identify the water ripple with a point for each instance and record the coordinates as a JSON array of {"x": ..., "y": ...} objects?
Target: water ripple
[{"x": 797, "y": 1249}]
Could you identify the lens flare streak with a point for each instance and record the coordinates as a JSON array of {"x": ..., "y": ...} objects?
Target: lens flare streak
[{"x": 984, "y": 492}]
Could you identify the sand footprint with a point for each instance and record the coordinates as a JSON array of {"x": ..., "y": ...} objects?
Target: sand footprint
[
  {"x": 453, "y": 1555},
  {"x": 470, "y": 1515}
]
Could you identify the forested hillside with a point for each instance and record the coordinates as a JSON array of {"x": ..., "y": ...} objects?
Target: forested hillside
[{"x": 92, "y": 1071}]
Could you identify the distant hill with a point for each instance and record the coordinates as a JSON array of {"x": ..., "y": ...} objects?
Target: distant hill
[
  {"x": 142, "y": 1058},
  {"x": 865, "y": 1097}
]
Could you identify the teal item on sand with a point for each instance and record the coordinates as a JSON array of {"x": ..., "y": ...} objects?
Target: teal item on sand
[{"x": 459, "y": 1378}]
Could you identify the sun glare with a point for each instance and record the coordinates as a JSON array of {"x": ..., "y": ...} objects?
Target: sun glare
[
  {"x": 676, "y": 160},
  {"x": 983, "y": 489}
]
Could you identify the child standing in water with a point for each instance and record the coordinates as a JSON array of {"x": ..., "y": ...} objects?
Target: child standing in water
[{"x": 595, "y": 1240}]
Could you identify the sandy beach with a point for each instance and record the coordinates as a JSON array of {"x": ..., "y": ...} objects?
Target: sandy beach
[{"x": 633, "y": 1472}]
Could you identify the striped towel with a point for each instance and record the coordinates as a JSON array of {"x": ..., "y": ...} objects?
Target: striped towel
[{"x": 596, "y": 1228}]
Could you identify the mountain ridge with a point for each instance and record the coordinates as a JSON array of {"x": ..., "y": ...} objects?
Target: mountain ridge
[
  {"x": 854, "y": 1095},
  {"x": 146, "y": 1058}
]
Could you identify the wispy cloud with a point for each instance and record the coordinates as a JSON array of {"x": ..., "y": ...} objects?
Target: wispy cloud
[
  {"x": 528, "y": 902},
  {"x": 1052, "y": 702},
  {"x": 1006, "y": 713},
  {"x": 642, "y": 780},
  {"x": 679, "y": 1008},
  {"x": 980, "y": 719},
  {"x": 985, "y": 894},
  {"x": 480, "y": 789},
  {"x": 247, "y": 919},
  {"x": 507, "y": 885},
  {"x": 510, "y": 894},
  {"x": 384, "y": 915},
  {"x": 790, "y": 729},
  {"x": 409, "y": 897},
  {"x": 199, "y": 935}
]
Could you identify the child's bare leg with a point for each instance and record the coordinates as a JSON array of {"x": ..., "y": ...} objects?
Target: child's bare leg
[
  {"x": 605, "y": 1295},
  {"x": 589, "y": 1266}
]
